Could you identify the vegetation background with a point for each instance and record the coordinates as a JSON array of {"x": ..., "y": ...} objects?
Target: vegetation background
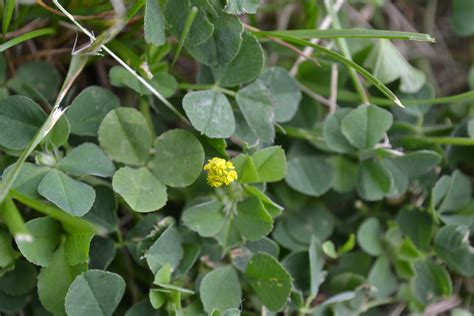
[{"x": 337, "y": 139}]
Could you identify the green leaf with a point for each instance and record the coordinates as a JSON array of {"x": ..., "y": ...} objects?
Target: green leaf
[
  {"x": 46, "y": 234},
  {"x": 162, "y": 82},
  {"x": 89, "y": 108},
  {"x": 224, "y": 44},
  {"x": 382, "y": 278},
  {"x": 461, "y": 16},
  {"x": 210, "y": 113},
  {"x": 104, "y": 211},
  {"x": 245, "y": 67},
  {"x": 365, "y": 126},
  {"x": 257, "y": 107},
  {"x": 431, "y": 281},
  {"x": 220, "y": 289},
  {"x": 20, "y": 120},
  {"x": 388, "y": 65},
  {"x": 142, "y": 308},
  {"x": 157, "y": 298},
  {"x": 94, "y": 292},
  {"x": 154, "y": 29},
  {"x": 418, "y": 225},
  {"x": 176, "y": 12},
  {"x": 416, "y": 164},
  {"x": 329, "y": 249},
  {"x": 270, "y": 281},
  {"x": 253, "y": 220},
  {"x": 267, "y": 165},
  {"x": 369, "y": 237},
  {"x": 345, "y": 173},
  {"x": 179, "y": 157},
  {"x": 316, "y": 263},
  {"x": 72, "y": 196},
  {"x": 206, "y": 219},
  {"x": 285, "y": 92},
  {"x": 310, "y": 175},
  {"x": 102, "y": 252},
  {"x": 142, "y": 191},
  {"x": 37, "y": 80},
  {"x": 229, "y": 235},
  {"x": 374, "y": 180},
  {"x": 333, "y": 135},
  {"x": 401, "y": 181},
  {"x": 59, "y": 134},
  {"x": 125, "y": 136},
  {"x": 54, "y": 281},
  {"x": 270, "y": 164},
  {"x": 246, "y": 169},
  {"x": 272, "y": 208},
  {"x": 87, "y": 159},
  {"x": 242, "y": 6},
  {"x": 456, "y": 192},
  {"x": 28, "y": 178},
  {"x": 20, "y": 280},
  {"x": 315, "y": 220},
  {"x": 452, "y": 245},
  {"x": 166, "y": 249}
]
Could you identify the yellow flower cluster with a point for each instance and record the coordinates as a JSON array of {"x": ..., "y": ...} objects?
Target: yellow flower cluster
[{"x": 220, "y": 172}]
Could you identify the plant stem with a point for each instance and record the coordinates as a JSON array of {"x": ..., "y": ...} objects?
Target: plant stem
[
  {"x": 53, "y": 211},
  {"x": 206, "y": 87},
  {"x": 123, "y": 64},
  {"x": 456, "y": 141},
  {"x": 341, "y": 42},
  {"x": 12, "y": 218}
]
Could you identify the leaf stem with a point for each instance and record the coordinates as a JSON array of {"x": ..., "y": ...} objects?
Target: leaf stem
[
  {"x": 193, "y": 86},
  {"x": 11, "y": 216},
  {"x": 455, "y": 141},
  {"x": 53, "y": 211}
]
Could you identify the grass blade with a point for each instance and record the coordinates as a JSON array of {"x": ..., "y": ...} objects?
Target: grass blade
[
  {"x": 184, "y": 35},
  {"x": 351, "y": 33},
  {"x": 24, "y": 37},
  {"x": 8, "y": 10},
  {"x": 336, "y": 56}
]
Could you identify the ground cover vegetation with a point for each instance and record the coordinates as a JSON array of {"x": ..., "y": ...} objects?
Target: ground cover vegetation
[{"x": 236, "y": 157}]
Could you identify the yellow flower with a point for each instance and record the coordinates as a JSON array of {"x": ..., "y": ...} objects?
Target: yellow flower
[{"x": 220, "y": 172}]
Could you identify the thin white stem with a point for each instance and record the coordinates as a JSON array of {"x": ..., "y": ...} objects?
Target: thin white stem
[
  {"x": 121, "y": 62},
  {"x": 307, "y": 51}
]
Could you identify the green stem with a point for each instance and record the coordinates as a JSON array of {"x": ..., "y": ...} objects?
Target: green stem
[
  {"x": 193, "y": 86},
  {"x": 348, "y": 96},
  {"x": 11, "y": 216},
  {"x": 53, "y": 212},
  {"x": 341, "y": 42},
  {"x": 144, "y": 107},
  {"x": 456, "y": 141}
]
